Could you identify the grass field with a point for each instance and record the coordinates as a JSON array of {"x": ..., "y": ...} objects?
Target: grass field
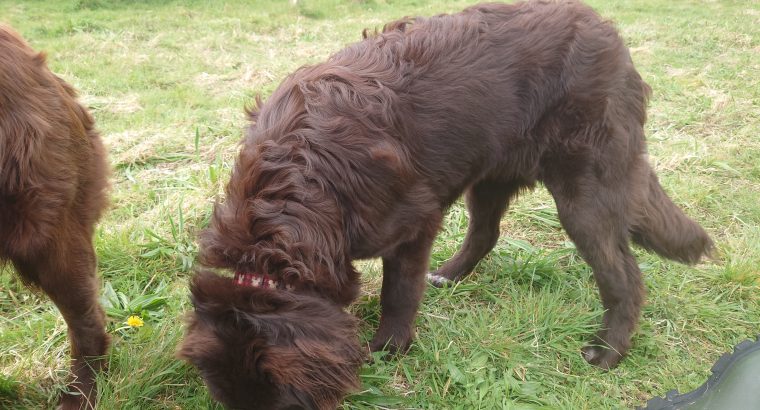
[{"x": 167, "y": 82}]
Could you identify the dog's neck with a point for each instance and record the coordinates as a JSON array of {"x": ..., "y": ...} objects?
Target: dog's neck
[{"x": 260, "y": 280}]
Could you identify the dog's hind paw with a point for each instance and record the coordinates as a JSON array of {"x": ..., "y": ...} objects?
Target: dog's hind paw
[
  {"x": 601, "y": 357},
  {"x": 438, "y": 281}
]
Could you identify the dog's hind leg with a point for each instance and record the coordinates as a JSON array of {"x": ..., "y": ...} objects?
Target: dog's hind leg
[
  {"x": 662, "y": 227},
  {"x": 67, "y": 274},
  {"x": 404, "y": 270},
  {"x": 595, "y": 214},
  {"x": 486, "y": 203}
]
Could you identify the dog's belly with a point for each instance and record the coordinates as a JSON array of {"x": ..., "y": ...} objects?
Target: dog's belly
[
  {"x": 414, "y": 211},
  {"x": 399, "y": 224}
]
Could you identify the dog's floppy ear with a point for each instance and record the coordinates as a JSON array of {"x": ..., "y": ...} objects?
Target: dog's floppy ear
[
  {"x": 208, "y": 290},
  {"x": 312, "y": 349},
  {"x": 216, "y": 298},
  {"x": 322, "y": 363}
]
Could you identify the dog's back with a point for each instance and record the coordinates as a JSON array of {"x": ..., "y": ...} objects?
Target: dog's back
[
  {"x": 49, "y": 152},
  {"x": 480, "y": 93}
]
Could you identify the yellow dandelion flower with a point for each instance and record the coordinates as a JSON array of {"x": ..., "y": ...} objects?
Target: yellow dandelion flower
[{"x": 135, "y": 321}]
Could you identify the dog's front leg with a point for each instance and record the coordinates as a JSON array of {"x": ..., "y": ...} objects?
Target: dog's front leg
[{"x": 404, "y": 271}]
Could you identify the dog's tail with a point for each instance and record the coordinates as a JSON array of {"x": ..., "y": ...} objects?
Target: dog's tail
[{"x": 663, "y": 228}]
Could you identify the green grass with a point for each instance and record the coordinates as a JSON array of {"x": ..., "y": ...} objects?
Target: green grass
[{"x": 167, "y": 83}]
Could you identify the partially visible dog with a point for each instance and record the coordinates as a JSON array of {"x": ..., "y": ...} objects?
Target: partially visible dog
[
  {"x": 53, "y": 181},
  {"x": 360, "y": 156}
]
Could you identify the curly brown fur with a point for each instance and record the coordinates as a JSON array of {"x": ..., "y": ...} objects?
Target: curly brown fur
[
  {"x": 265, "y": 349},
  {"x": 53, "y": 178},
  {"x": 360, "y": 156}
]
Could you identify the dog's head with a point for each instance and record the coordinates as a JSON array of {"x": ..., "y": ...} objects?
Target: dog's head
[{"x": 260, "y": 348}]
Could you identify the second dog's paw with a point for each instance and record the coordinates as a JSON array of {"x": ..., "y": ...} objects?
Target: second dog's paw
[
  {"x": 398, "y": 343},
  {"x": 601, "y": 357},
  {"x": 438, "y": 281}
]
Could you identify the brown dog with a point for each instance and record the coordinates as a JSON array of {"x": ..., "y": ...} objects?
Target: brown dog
[
  {"x": 53, "y": 180},
  {"x": 360, "y": 156}
]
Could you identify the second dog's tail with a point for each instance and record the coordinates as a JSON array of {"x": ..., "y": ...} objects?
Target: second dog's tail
[{"x": 663, "y": 228}]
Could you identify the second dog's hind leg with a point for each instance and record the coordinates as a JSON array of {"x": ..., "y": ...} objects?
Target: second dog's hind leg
[
  {"x": 596, "y": 215},
  {"x": 67, "y": 273}
]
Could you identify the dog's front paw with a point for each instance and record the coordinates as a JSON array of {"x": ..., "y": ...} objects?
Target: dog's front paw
[
  {"x": 73, "y": 402},
  {"x": 602, "y": 357},
  {"x": 397, "y": 343},
  {"x": 438, "y": 281}
]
